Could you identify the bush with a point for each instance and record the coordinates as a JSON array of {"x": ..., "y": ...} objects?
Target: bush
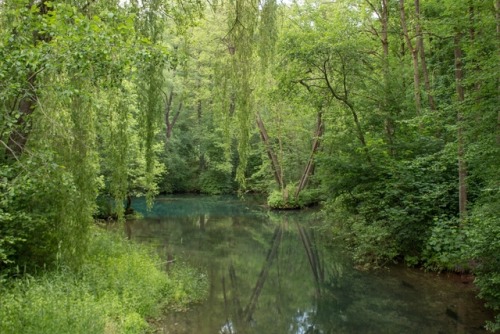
[
  {"x": 371, "y": 243},
  {"x": 444, "y": 248},
  {"x": 286, "y": 200},
  {"x": 118, "y": 286},
  {"x": 186, "y": 285},
  {"x": 483, "y": 246},
  {"x": 216, "y": 182},
  {"x": 396, "y": 200}
]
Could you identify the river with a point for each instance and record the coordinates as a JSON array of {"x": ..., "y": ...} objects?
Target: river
[{"x": 277, "y": 272}]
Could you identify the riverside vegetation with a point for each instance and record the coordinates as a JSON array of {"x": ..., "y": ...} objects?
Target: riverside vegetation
[
  {"x": 118, "y": 286},
  {"x": 386, "y": 112}
]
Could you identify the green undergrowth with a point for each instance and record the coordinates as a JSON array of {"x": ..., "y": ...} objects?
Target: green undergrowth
[
  {"x": 468, "y": 246},
  {"x": 119, "y": 286},
  {"x": 286, "y": 200}
]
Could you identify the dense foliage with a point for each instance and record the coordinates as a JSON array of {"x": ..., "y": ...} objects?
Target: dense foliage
[
  {"x": 385, "y": 110},
  {"x": 118, "y": 286}
]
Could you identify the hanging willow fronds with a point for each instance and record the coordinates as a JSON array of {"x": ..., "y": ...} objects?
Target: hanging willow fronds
[{"x": 251, "y": 34}]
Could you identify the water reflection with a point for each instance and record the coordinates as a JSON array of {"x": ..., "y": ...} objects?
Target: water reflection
[{"x": 273, "y": 273}]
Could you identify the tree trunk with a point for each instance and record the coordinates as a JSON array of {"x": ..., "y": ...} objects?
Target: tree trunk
[
  {"x": 310, "y": 162},
  {"x": 414, "y": 57},
  {"x": 383, "y": 16},
  {"x": 344, "y": 98},
  {"x": 128, "y": 205},
  {"x": 474, "y": 62},
  {"x": 278, "y": 174},
  {"x": 19, "y": 135},
  {"x": 497, "y": 18},
  {"x": 202, "y": 163},
  {"x": 169, "y": 123},
  {"x": 420, "y": 46},
  {"x": 462, "y": 168},
  {"x": 384, "y": 20},
  {"x": 388, "y": 123}
]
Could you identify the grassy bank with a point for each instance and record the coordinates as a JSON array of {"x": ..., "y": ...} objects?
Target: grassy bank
[{"x": 119, "y": 286}]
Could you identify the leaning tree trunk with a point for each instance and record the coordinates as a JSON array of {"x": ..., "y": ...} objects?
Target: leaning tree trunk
[
  {"x": 308, "y": 170},
  {"x": 276, "y": 166},
  {"x": 169, "y": 119},
  {"x": 344, "y": 98}
]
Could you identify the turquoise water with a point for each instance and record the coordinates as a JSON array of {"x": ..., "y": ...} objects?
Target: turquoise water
[{"x": 276, "y": 273}]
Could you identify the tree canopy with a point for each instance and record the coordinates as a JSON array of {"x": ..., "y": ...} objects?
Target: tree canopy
[{"x": 386, "y": 112}]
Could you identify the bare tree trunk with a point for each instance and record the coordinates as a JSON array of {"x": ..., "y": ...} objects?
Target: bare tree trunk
[
  {"x": 383, "y": 17},
  {"x": 474, "y": 61},
  {"x": 462, "y": 168},
  {"x": 421, "y": 49},
  {"x": 384, "y": 20},
  {"x": 19, "y": 135},
  {"x": 276, "y": 166},
  {"x": 227, "y": 307},
  {"x": 168, "y": 110},
  {"x": 382, "y": 14},
  {"x": 236, "y": 295},
  {"x": 414, "y": 57},
  {"x": 318, "y": 133},
  {"x": 202, "y": 161},
  {"x": 388, "y": 123}
]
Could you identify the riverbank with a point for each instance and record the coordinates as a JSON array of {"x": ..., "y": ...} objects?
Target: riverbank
[
  {"x": 119, "y": 285},
  {"x": 277, "y": 271}
]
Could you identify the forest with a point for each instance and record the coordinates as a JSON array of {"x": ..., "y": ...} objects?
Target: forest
[{"x": 384, "y": 113}]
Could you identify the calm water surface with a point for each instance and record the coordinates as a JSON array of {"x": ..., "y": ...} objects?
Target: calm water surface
[{"x": 274, "y": 273}]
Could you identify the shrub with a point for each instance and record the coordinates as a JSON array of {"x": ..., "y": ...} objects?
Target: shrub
[
  {"x": 286, "y": 200},
  {"x": 371, "y": 243},
  {"x": 483, "y": 246},
  {"x": 444, "y": 248},
  {"x": 118, "y": 286}
]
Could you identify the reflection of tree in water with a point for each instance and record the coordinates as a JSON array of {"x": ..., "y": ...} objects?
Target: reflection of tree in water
[
  {"x": 268, "y": 271},
  {"x": 332, "y": 297},
  {"x": 313, "y": 257},
  {"x": 245, "y": 315},
  {"x": 273, "y": 273},
  {"x": 291, "y": 254}
]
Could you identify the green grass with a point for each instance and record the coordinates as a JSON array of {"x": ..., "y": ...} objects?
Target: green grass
[{"x": 119, "y": 285}]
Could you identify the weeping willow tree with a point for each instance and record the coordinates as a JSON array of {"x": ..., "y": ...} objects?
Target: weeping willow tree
[
  {"x": 150, "y": 79},
  {"x": 64, "y": 56},
  {"x": 81, "y": 111},
  {"x": 80, "y": 108},
  {"x": 250, "y": 37}
]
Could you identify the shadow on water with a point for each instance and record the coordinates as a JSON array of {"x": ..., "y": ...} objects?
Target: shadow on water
[{"x": 274, "y": 273}]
